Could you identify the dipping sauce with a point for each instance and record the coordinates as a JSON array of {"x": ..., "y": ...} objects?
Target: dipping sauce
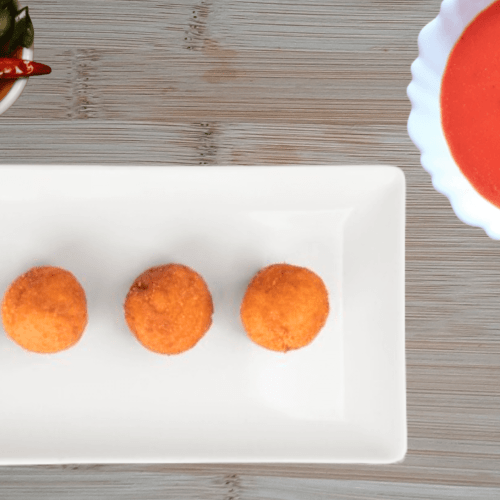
[{"x": 470, "y": 103}]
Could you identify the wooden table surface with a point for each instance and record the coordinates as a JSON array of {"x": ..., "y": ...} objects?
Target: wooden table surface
[{"x": 244, "y": 82}]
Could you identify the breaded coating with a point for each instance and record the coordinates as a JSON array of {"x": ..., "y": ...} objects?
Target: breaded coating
[
  {"x": 284, "y": 307},
  {"x": 169, "y": 308},
  {"x": 45, "y": 310}
]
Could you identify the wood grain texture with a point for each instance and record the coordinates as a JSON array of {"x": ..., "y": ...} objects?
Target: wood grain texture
[{"x": 236, "y": 82}]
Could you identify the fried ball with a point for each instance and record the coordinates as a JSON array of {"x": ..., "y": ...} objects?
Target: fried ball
[
  {"x": 284, "y": 307},
  {"x": 169, "y": 308},
  {"x": 45, "y": 310}
]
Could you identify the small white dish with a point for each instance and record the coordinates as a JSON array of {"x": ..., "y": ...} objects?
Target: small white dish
[
  {"x": 341, "y": 399},
  {"x": 435, "y": 42},
  {"x": 18, "y": 87}
]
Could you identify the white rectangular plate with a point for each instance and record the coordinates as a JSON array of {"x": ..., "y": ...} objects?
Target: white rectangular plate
[{"x": 108, "y": 400}]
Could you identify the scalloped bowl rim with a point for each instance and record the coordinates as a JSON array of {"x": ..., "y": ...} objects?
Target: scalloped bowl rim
[{"x": 435, "y": 43}]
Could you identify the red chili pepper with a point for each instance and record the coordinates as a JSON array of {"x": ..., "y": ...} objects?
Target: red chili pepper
[{"x": 18, "y": 68}]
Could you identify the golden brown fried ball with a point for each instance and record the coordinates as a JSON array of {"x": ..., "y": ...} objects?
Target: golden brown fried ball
[
  {"x": 284, "y": 307},
  {"x": 45, "y": 310},
  {"x": 169, "y": 308}
]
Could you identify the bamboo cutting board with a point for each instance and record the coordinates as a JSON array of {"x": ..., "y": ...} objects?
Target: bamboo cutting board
[{"x": 233, "y": 82}]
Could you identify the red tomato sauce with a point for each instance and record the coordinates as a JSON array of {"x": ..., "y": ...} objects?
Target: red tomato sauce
[{"x": 470, "y": 103}]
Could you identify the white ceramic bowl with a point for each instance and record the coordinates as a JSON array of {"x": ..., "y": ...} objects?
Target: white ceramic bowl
[
  {"x": 18, "y": 87},
  {"x": 435, "y": 43}
]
